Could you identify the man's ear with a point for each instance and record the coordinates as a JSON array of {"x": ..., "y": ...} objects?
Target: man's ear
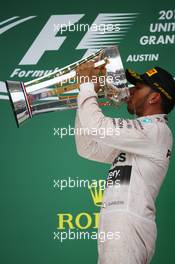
[{"x": 154, "y": 98}]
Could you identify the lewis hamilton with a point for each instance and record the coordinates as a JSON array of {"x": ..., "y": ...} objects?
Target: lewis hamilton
[{"x": 139, "y": 156}]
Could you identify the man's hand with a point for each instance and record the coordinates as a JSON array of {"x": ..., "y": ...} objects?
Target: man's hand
[{"x": 88, "y": 73}]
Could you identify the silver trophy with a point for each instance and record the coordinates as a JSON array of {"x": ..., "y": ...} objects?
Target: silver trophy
[{"x": 58, "y": 91}]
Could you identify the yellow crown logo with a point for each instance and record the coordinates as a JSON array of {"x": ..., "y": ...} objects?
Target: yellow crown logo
[{"x": 96, "y": 190}]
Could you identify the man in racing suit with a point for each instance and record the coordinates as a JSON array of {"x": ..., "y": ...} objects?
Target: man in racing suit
[{"x": 139, "y": 154}]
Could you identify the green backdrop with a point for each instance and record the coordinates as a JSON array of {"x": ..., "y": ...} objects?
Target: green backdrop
[{"x": 32, "y": 157}]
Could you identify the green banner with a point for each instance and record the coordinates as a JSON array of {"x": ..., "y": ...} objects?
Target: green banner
[{"x": 49, "y": 207}]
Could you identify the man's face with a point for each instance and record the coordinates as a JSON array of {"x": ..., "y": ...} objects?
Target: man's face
[{"x": 139, "y": 96}]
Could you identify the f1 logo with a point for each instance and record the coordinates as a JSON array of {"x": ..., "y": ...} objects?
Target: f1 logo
[{"x": 48, "y": 38}]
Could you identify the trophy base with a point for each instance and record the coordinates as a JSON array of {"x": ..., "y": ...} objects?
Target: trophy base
[{"x": 19, "y": 101}]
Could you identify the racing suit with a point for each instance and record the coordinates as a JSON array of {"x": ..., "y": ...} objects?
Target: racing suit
[{"x": 139, "y": 151}]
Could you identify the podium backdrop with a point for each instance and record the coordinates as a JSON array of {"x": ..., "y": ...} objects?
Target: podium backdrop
[{"x": 49, "y": 210}]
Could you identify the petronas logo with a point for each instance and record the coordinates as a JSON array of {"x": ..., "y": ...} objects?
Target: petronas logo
[{"x": 96, "y": 190}]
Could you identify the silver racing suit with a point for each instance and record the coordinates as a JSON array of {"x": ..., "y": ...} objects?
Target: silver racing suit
[{"x": 139, "y": 151}]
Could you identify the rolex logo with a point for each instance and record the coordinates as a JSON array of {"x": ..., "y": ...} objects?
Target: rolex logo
[{"x": 96, "y": 190}]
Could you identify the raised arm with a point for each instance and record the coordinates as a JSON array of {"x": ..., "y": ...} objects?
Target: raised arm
[{"x": 88, "y": 147}]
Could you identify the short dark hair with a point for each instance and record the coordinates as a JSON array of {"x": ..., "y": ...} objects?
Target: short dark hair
[{"x": 166, "y": 105}]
